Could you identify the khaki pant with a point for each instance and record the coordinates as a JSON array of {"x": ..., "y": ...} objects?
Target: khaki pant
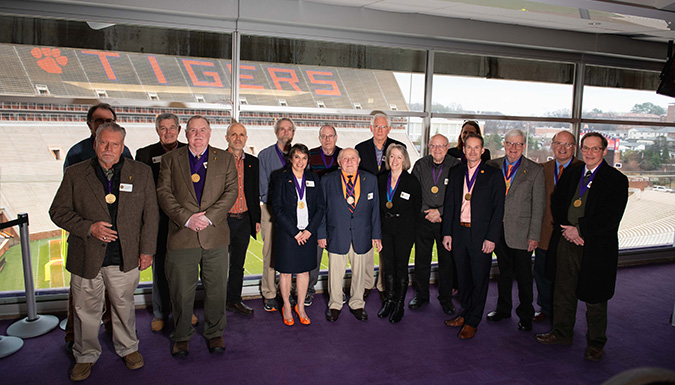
[
  {"x": 268, "y": 287},
  {"x": 337, "y": 263},
  {"x": 370, "y": 272},
  {"x": 88, "y": 300}
]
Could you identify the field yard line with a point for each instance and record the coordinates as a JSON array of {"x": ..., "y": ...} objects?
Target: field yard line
[{"x": 254, "y": 254}]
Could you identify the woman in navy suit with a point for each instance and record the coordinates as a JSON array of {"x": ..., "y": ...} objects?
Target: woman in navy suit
[
  {"x": 298, "y": 207},
  {"x": 400, "y": 204}
]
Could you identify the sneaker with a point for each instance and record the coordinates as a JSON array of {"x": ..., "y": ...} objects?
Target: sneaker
[
  {"x": 270, "y": 304},
  {"x": 308, "y": 299}
]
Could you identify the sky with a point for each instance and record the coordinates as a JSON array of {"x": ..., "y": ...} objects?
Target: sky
[{"x": 519, "y": 97}]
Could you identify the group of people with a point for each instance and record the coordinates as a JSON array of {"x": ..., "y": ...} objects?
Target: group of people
[{"x": 189, "y": 210}]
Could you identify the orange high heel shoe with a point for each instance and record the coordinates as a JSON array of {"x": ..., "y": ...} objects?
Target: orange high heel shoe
[
  {"x": 303, "y": 320},
  {"x": 287, "y": 322}
]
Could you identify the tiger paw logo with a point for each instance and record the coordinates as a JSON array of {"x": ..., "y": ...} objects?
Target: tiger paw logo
[{"x": 50, "y": 59}]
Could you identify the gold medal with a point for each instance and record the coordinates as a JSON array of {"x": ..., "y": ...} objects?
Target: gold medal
[
  {"x": 467, "y": 196},
  {"x": 434, "y": 189},
  {"x": 301, "y": 205},
  {"x": 195, "y": 178},
  {"x": 389, "y": 205},
  {"x": 508, "y": 184},
  {"x": 350, "y": 200},
  {"x": 577, "y": 203},
  {"x": 110, "y": 199}
]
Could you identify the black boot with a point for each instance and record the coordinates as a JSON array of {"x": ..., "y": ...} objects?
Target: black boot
[
  {"x": 399, "y": 301},
  {"x": 388, "y": 303}
]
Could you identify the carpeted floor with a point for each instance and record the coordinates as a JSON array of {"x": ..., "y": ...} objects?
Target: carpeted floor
[{"x": 419, "y": 350}]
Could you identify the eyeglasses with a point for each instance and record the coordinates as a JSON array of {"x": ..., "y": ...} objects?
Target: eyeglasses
[
  {"x": 380, "y": 127},
  {"x": 101, "y": 121},
  {"x": 437, "y": 146},
  {"x": 513, "y": 144},
  {"x": 592, "y": 149},
  {"x": 327, "y": 136},
  {"x": 563, "y": 144}
]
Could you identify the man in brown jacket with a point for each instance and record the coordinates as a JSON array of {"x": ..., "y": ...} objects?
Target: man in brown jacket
[
  {"x": 563, "y": 145},
  {"x": 109, "y": 207},
  {"x": 197, "y": 186}
]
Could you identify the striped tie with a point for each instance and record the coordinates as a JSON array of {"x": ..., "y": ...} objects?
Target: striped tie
[{"x": 350, "y": 193}]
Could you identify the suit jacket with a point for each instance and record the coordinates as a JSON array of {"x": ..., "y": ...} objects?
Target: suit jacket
[
  {"x": 176, "y": 195},
  {"x": 547, "y": 221},
  {"x": 487, "y": 204},
  {"x": 599, "y": 227},
  {"x": 342, "y": 228},
  {"x": 284, "y": 200},
  {"x": 252, "y": 190},
  {"x": 401, "y": 218},
  {"x": 525, "y": 203},
  {"x": 79, "y": 202},
  {"x": 152, "y": 156},
  {"x": 367, "y": 154}
]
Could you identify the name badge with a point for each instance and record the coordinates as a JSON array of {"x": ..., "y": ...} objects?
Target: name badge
[
  {"x": 156, "y": 159},
  {"x": 309, "y": 183},
  {"x": 445, "y": 182},
  {"x": 205, "y": 164},
  {"x": 126, "y": 187},
  {"x": 370, "y": 196},
  {"x": 405, "y": 195}
]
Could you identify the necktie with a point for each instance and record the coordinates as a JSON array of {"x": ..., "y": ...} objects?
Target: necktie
[
  {"x": 350, "y": 193},
  {"x": 508, "y": 181},
  {"x": 560, "y": 170},
  {"x": 586, "y": 177}
]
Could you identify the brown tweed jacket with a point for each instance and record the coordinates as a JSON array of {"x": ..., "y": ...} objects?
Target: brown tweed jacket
[
  {"x": 547, "y": 222},
  {"x": 79, "y": 202},
  {"x": 176, "y": 195}
]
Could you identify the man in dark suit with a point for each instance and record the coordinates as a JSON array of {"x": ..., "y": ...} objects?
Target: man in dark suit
[
  {"x": 432, "y": 171},
  {"x": 587, "y": 204},
  {"x": 244, "y": 216},
  {"x": 372, "y": 153},
  {"x": 351, "y": 230},
  {"x": 109, "y": 206},
  {"x": 472, "y": 222},
  {"x": 322, "y": 161},
  {"x": 197, "y": 202},
  {"x": 168, "y": 128},
  {"x": 562, "y": 145},
  {"x": 523, "y": 210}
]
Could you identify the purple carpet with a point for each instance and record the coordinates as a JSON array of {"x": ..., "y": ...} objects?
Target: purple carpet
[{"x": 421, "y": 349}]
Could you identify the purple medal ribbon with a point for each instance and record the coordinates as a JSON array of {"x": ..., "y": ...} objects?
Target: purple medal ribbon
[
  {"x": 110, "y": 186},
  {"x": 390, "y": 191},
  {"x": 583, "y": 187},
  {"x": 514, "y": 169},
  {"x": 280, "y": 155},
  {"x": 323, "y": 157},
  {"x": 433, "y": 174},
  {"x": 197, "y": 161},
  {"x": 300, "y": 189},
  {"x": 470, "y": 182}
]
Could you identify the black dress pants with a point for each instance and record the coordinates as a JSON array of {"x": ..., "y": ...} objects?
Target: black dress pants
[
  {"x": 427, "y": 233},
  {"x": 514, "y": 264}
]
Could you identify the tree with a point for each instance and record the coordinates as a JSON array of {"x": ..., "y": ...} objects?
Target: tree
[{"x": 648, "y": 108}]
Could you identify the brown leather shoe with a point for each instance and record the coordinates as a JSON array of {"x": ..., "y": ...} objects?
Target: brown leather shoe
[
  {"x": 552, "y": 339},
  {"x": 239, "y": 308},
  {"x": 467, "y": 332},
  {"x": 594, "y": 353},
  {"x": 216, "y": 345},
  {"x": 133, "y": 360},
  {"x": 195, "y": 320},
  {"x": 81, "y": 371},
  {"x": 157, "y": 324},
  {"x": 180, "y": 349},
  {"x": 539, "y": 316},
  {"x": 455, "y": 322}
]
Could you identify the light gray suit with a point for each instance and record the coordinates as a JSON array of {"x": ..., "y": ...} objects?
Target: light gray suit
[{"x": 523, "y": 211}]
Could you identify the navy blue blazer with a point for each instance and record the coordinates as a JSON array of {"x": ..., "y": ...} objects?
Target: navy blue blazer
[
  {"x": 367, "y": 154},
  {"x": 284, "y": 201},
  {"x": 343, "y": 229},
  {"x": 487, "y": 204}
]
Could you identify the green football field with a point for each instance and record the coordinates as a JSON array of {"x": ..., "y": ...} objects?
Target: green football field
[{"x": 49, "y": 265}]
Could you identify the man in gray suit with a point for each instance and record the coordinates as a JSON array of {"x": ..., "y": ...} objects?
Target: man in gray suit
[
  {"x": 197, "y": 201},
  {"x": 523, "y": 211},
  {"x": 109, "y": 207}
]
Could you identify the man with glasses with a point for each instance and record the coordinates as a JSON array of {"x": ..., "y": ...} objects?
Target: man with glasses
[
  {"x": 587, "y": 204},
  {"x": 322, "y": 160},
  {"x": 562, "y": 145},
  {"x": 372, "y": 153},
  {"x": 432, "y": 173},
  {"x": 197, "y": 187},
  {"x": 84, "y": 149},
  {"x": 523, "y": 211}
]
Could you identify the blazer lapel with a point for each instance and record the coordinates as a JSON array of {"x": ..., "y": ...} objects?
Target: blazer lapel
[
  {"x": 212, "y": 163},
  {"x": 95, "y": 186},
  {"x": 184, "y": 165},
  {"x": 125, "y": 177}
]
